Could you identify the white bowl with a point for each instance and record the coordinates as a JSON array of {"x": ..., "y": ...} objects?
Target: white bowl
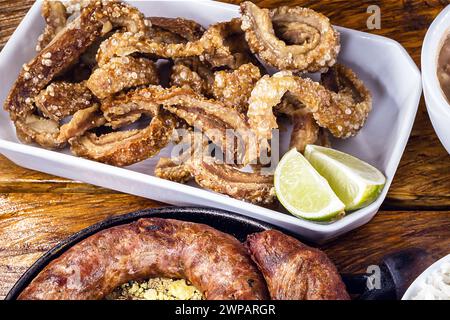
[
  {"x": 437, "y": 105},
  {"x": 414, "y": 288},
  {"x": 383, "y": 64}
]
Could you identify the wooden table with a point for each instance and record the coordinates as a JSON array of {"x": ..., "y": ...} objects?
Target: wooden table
[{"x": 38, "y": 210}]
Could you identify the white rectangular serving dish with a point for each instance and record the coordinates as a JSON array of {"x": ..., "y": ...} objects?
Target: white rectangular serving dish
[{"x": 383, "y": 64}]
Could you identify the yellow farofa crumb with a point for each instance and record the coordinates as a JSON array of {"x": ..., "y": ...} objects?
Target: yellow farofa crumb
[{"x": 157, "y": 289}]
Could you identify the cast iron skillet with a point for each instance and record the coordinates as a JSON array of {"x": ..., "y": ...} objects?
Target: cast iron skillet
[{"x": 231, "y": 223}]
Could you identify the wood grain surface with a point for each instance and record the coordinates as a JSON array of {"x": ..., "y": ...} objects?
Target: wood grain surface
[{"x": 38, "y": 210}]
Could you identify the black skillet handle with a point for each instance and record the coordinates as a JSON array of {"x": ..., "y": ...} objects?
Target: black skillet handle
[
  {"x": 396, "y": 272},
  {"x": 355, "y": 283},
  {"x": 359, "y": 286}
]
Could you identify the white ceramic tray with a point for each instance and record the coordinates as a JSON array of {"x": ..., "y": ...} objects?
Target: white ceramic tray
[{"x": 382, "y": 63}]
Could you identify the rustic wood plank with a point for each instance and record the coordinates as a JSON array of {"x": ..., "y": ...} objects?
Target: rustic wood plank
[
  {"x": 11, "y": 13},
  {"x": 388, "y": 232}
]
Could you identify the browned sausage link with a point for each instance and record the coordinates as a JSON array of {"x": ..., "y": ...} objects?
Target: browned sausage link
[
  {"x": 215, "y": 262},
  {"x": 294, "y": 271}
]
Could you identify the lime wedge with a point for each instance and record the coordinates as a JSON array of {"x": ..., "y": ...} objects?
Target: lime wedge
[
  {"x": 303, "y": 192},
  {"x": 354, "y": 181}
]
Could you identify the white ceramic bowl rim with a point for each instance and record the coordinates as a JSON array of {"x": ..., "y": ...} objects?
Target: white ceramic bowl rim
[
  {"x": 413, "y": 288},
  {"x": 432, "y": 45}
]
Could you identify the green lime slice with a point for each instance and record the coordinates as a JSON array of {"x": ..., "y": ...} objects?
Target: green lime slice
[
  {"x": 355, "y": 182},
  {"x": 303, "y": 191}
]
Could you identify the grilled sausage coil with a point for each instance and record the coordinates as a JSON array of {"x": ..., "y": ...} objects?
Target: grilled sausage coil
[{"x": 215, "y": 262}]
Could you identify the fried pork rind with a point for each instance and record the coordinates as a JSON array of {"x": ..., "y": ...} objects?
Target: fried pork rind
[
  {"x": 216, "y": 120},
  {"x": 125, "y": 148},
  {"x": 169, "y": 169},
  {"x": 351, "y": 102},
  {"x": 268, "y": 93},
  {"x": 82, "y": 121},
  {"x": 305, "y": 128},
  {"x": 55, "y": 15},
  {"x": 343, "y": 112},
  {"x": 233, "y": 89},
  {"x": 186, "y": 29},
  {"x": 99, "y": 69},
  {"x": 127, "y": 108},
  {"x": 226, "y": 45},
  {"x": 252, "y": 187},
  {"x": 61, "y": 99},
  {"x": 43, "y": 131},
  {"x": 214, "y": 46},
  {"x": 184, "y": 77},
  {"x": 127, "y": 43},
  {"x": 124, "y": 16},
  {"x": 222, "y": 178},
  {"x": 209, "y": 116},
  {"x": 63, "y": 51},
  {"x": 295, "y": 39},
  {"x": 196, "y": 163},
  {"x": 176, "y": 168},
  {"x": 194, "y": 74},
  {"x": 122, "y": 73}
]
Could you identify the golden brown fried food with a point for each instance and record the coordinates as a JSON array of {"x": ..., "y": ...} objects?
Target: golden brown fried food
[
  {"x": 43, "y": 131},
  {"x": 196, "y": 70},
  {"x": 162, "y": 36},
  {"x": 351, "y": 102},
  {"x": 305, "y": 128},
  {"x": 61, "y": 99},
  {"x": 65, "y": 49},
  {"x": 51, "y": 61},
  {"x": 100, "y": 68},
  {"x": 226, "y": 45},
  {"x": 82, "y": 121},
  {"x": 268, "y": 93},
  {"x": 184, "y": 77},
  {"x": 55, "y": 15},
  {"x": 294, "y": 271},
  {"x": 124, "y": 148},
  {"x": 233, "y": 89},
  {"x": 122, "y": 73},
  {"x": 176, "y": 168},
  {"x": 127, "y": 43},
  {"x": 340, "y": 112},
  {"x": 221, "y": 124},
  {"x": 226, "y": 179},
  {"x": 169, "y": 169},
  {"x": 212, "y": 46},
  {"x": 122, "y": 15},
  {"x": 291, "y": 38},
  {"x": 185, "y": 28},
  {"x": 127, "y": 108},
  {"x": 210, "y": 116}
]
